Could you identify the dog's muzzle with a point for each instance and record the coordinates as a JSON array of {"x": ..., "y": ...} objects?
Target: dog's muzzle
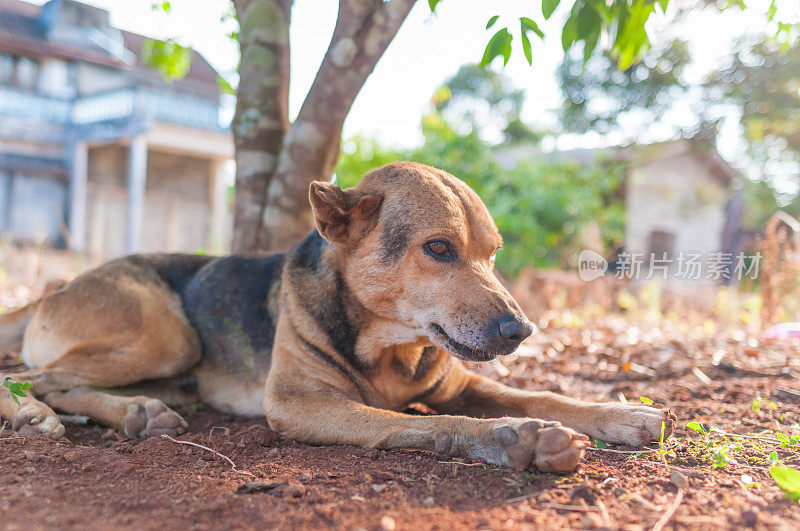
[{"x": 500, "y": 338}]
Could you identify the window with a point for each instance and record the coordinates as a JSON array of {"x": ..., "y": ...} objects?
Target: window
[
  {"x": 72, "y": 75},
  {"x": 26, "y": 72},
  {"x": 661, "y": 244},
  {"x": 7, "y": 68},
  {"x": 18, "y": 71}
]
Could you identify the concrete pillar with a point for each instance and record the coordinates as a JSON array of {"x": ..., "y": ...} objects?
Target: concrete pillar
[
  {"x": 217, "y": 235},
  {"x": 78, "y": 178},
  {"x": 137, "y": 179}
]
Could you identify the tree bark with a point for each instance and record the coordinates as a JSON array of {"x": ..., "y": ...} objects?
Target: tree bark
[
  {"x": 310, "y": 147},
  {"x": 262, "y": 115}
]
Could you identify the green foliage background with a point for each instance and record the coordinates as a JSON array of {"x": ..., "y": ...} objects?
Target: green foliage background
[{"x": 541, "y": 207}]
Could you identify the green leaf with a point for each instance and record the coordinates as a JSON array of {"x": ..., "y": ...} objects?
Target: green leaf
[
  {"x": 645, "y": 400},
  {"x": 548, "y": 7},
  {"x": 16, "y": 389},
  {"x": 526, "y": 46},
  {"x": 589, "y": 45},
  {"x": 163, "y": 5},
  {"x": 631, "y": 39},
  {"x": 432, "y": 4},
  {"x": 529, "y": 25},
  {"x": 696, "y": 426},
  {"x": 720, "y": 460},
  {"x": 525, "y": 25},
  {"x": 224, "y": 86},
  {"x": 588, "y": 22},
  {"x": 756, "y": 405},
  {"x": 499, "y": 45},
  {"x": 600, "y": 443},
  {"x": 663, "y": 4},
  {"x": 169, "y": 58},
  {"x": 568, "y": 33},
  {"x": 787, "y": 478},
  {"x": 783, "y": 439},
  {"x": 492, "y": 21}
]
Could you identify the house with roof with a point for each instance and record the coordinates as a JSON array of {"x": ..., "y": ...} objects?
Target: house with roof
[
  {"x": 97, "y": 151},
  {"x": 682, "y": 199}
]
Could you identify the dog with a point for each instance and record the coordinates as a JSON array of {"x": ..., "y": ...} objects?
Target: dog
[{"x": 372, "y": 311}]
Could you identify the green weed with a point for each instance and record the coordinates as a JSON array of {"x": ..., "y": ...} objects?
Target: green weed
[
  {"x": 16, "y": 389},
  {"x": 787, "y": 479}
]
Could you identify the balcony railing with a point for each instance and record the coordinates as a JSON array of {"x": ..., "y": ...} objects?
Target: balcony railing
[
  {"x": 105, "y": 106},
  {"x": 112, "y": 105},
  {"x": 28, "y": 105}
]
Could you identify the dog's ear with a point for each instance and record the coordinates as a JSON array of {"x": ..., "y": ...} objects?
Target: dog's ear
[{"x": 343, "y": 216}]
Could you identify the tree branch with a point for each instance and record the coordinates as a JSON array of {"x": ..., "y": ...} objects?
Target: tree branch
[{"x": 364, "y": 29}]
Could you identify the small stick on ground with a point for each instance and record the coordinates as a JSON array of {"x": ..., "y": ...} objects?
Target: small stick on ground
[
  {"x": 575, "y": 508},
  {"x": 462, "y": 463},
  {"x": 207, "y": 449},
  {"x": 773, "y": 440},
  {"x": 613, "y": 451},
  {"x": 686, "y": 471},
  {"x": 521, "y": 498},
  {"x": 664, "y": 520}
]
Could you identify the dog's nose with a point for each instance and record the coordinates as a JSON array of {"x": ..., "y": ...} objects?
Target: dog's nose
[{"x": 514, "y": 329}]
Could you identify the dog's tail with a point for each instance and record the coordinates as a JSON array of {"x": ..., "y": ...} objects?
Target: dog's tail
[{"x": 12, "y": 327}]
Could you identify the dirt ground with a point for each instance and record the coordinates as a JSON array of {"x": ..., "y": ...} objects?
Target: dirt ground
[{"x": 732, "y": 384}]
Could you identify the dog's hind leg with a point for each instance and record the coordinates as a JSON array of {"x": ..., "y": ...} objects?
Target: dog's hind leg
[
  {"x": 103, "y": 364},
  {"x": 67, "y": 384},
  {"x": 136, "y": 416}
]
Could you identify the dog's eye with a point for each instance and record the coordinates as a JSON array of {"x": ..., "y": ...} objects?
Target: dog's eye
[{"x": 440, "y": 249}]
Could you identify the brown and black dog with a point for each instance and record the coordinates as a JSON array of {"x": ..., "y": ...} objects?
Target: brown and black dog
[{"x": 370, "y": 313}]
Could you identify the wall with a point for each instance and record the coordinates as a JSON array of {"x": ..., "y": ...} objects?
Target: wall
[
  {"x": 33, "y": 207},
  {"x": 93, "y": 78},
  {"x": 672, "y": 191},
  {"x": 177, "y": 202},
  {"x": 54, "y": 78}
]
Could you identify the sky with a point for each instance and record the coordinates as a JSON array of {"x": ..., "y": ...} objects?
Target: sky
[{"x": 427, "y": 50}]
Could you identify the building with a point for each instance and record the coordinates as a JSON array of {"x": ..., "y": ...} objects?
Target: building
[
  {"x": 97, "y": 151},
  {"x": 680, "y": 201}
]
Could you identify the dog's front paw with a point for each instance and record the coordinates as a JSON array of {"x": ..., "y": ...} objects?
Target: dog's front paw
[
  {"x": 519, "y": 443},
  {"x": 632, "y": 425},
  {"x": 36, "y": 418}
]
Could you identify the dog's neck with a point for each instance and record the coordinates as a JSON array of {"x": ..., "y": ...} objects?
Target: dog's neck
[{"x": 355, "y": 333}]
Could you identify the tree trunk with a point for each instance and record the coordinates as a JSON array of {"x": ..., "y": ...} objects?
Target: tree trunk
[
  {"x": 310, "y": 147},
  {"x": 262, "y": 111}
]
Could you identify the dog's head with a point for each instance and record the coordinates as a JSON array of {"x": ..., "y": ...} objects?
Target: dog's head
[{"x": 417, "y": 247}]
